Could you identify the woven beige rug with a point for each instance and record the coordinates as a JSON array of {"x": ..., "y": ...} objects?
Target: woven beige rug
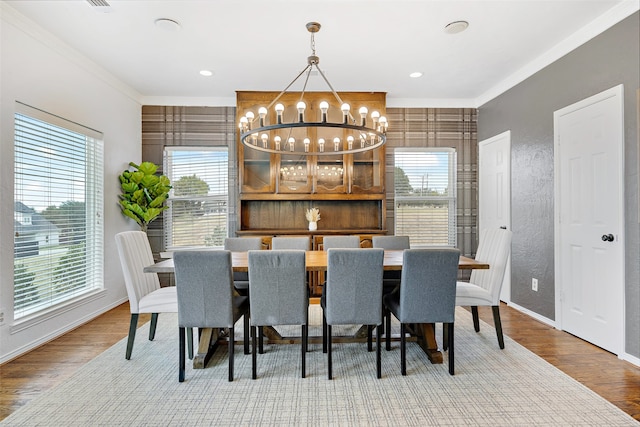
[{"x": 492, "y": 387}]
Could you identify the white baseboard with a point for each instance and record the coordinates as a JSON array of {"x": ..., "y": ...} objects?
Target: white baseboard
[
  {"x": 631, "y": 359},
  {"x": 533, "y": 314},
  {"x": 58, "y": 332},
  {"x": 624, "y": 356}
]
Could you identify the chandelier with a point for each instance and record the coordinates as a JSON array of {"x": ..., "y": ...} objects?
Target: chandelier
[{"x": 332, "y": 131}]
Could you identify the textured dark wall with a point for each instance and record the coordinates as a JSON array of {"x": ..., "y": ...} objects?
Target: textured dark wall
[{"x": 527, "y": 109}]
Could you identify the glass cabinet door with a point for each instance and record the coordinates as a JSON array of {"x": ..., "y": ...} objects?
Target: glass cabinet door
[
  {"x": 329, "y": 174},
  {"x": 294, "y": 174},
  {"x": 367, "y": 172},
  {"x": 256, "y": 172}
]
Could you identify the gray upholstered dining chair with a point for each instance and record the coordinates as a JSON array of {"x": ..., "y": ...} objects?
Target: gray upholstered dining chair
[
  {"x": 206, "y": 299},
  {"x": 427, "y": 294},
  {"x": 291, "y": 242},
  {"x": 242, "y": 244},
  {"x": 143, "y": 289},
  {"x": 329, "y": 242},
  {"x": 278, "y": 295},
  {"x": 353, "y": 295},
  {"x": 391, "y": 279},
  {"x": 484, "y": 286}
]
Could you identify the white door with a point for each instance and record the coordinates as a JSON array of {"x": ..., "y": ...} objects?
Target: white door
[
  {"x": 589, "y": 219},
  {"x": 494, "y": 191}
]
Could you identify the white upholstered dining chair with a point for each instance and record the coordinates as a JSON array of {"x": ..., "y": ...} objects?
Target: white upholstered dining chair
[
  {"x": 143, "y": 289},
  {"x": 484, "y": 286}
]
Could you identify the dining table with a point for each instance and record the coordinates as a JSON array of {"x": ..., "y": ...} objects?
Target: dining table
[{"x": 316, "y": 261}]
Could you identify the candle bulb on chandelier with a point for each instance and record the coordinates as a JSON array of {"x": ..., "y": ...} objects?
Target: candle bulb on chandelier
[
  {"x": 345, "y": 112},
  {"x": 350, "y": 142},
  {"x": 324, "y": 107},
  {"x": 250, "y": 116},
  {"x": 301, "y": 106},
  {"x": 262, "y": 112},
  {"x": 279, "y": 110},
  {"x": 363, "y": 115}
]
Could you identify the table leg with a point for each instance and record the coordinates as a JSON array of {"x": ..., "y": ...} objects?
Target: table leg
[
  {"x": 426, "y": 336},
  {"x": 207, "y": 344}
]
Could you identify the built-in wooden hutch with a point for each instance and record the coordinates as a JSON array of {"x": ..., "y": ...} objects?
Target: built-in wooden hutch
[{"x": 277, "y": 189}]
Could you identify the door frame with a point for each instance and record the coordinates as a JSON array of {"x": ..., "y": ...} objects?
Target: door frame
[
  {"x": 505, "y": 294},
  {"x": 617, "y": 91}
]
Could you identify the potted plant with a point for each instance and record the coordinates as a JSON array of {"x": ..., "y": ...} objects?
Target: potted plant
[{"x": 143, "y": 193}]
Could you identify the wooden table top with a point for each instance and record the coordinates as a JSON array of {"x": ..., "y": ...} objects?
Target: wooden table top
[{"x": 317, "y": 261}]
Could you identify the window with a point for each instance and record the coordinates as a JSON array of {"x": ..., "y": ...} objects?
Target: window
[
  {"x": 197, "y": 214},
  {"x": 425, "y": 195},
  {"x": 58, "y": 210}
]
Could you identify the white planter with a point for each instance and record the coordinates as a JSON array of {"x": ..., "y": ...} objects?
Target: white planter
[{"x": 313, "y": 225}]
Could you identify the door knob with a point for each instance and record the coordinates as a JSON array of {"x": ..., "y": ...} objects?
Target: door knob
[{"x": 608, "y": 238}]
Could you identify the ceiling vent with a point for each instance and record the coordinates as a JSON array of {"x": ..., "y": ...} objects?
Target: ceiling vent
[{"x": 100, "y": 5}]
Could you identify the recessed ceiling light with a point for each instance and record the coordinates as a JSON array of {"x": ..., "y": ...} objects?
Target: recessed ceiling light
[
  {"x": 456, "y": 27},
  {"x": 206, "y": 73},
  {"x": 167, "y": 24},
  {"x": 415, "y": 74}
]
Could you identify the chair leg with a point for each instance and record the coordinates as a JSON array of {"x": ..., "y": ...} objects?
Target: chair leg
[
  {"x": 369, "y": 338},
  {"x": 181, "y": 361},
  {"x": 498, "y": 323},
  {"x": 329, "y": 366},
  {"x": 324, "y": 333},
  {"x": 476, "y": 320},
  {"x": 231, "y": 355},
  {"x": 254, "y": 356},
  {"x": 246, "y": 333},
  {"x": 152, "y": 327},
  {"x": 387, "y": 333},
  {"x": 445, "y": 338},
  {"x": 133, "y": 325},
  {"x": 190, "y": 342},
  {"x": 378, "y": 347},
  {"x": 449, "y": 327},
  {"x": 305, "y": 333},
  {"x": 403, "y": 350},
  {"x": 260, "y": 339}
]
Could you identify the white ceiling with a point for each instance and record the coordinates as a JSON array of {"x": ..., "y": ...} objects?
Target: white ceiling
[{"x": 363, "y": 45}]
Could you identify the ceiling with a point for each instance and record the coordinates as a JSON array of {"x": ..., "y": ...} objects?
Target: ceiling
[{"x": 363, "y": 45}]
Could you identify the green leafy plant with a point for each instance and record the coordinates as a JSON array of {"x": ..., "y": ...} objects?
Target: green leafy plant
[{"x": 143, "y": 193}]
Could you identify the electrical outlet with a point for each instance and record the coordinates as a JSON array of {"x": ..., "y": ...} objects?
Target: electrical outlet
[
  {"x": 1, "y": 318},
  {"x": 534, "y": 285}
]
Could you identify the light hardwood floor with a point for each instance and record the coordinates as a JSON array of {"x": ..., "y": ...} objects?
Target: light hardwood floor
[{"x": 30, "y": 375}]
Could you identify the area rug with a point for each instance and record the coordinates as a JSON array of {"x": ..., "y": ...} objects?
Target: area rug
[{"x": 492, "y": 387}]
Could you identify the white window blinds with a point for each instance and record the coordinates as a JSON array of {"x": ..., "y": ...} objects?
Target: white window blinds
[
  {"x": 425, "y": 195},
  {"x": 58, "y": 211},
  {"x": 197, "y": 214}
]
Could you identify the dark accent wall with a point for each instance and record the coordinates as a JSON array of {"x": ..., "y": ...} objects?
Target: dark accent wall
[{"x": 526, "y": 110}]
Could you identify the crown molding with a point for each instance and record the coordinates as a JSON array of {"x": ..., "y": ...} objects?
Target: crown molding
[
  {"x": 9, "y": 15},
  {"x": 577, "y": 39}
]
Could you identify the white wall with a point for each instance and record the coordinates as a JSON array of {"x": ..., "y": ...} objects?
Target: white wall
[{"x": 40, "y": 71}]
